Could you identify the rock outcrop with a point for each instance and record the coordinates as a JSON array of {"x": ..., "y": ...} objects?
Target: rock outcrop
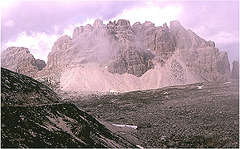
[
  {"x": 20, "y": 60},
  {"x": 40, "y": 64},
  {"x": 235, "y": 70}
]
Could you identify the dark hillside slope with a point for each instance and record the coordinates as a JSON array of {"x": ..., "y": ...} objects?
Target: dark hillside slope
[
  {"x": 18, "y": 89},
  {"x": 32, "y": 116}
]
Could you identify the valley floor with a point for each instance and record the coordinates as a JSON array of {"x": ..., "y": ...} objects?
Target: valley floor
[{"x": 196, "y": 115}]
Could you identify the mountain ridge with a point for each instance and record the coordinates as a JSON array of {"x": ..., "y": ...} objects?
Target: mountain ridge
[{"x": 124, "y": 57}]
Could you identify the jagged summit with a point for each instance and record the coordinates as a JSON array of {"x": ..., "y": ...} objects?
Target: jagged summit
[
  {"x": 175, "y": 24},
  {"x": 130, "y": 57},
  {"x": 98, "y": 23}
]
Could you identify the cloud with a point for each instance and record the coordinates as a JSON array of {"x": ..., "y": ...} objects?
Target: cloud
[
  {"x": 56, "y": 28},
  {"x": 216, "y": 20},
  {"x": 224, "y": 38},
  {"x": 154, "y": 13},
  {"x": 9, "y": 23},
  {"x": 89, "y": 21},
  {"x": 4, "y": 3},
  {"x": 69, "y": 29},
  {"x": 39, "y": 44}
]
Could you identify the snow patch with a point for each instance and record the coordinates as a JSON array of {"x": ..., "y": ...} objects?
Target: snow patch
[
  {"x": 200, "y": 87},
  {"x": 112, "y": 91},
  {"x": 130, "y": 126},
  {"x": 139, "y": 146},
  {"x": 227, "y": 83}
]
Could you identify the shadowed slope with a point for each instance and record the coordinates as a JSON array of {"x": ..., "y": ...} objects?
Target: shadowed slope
[{"x": 32, "y": 116}]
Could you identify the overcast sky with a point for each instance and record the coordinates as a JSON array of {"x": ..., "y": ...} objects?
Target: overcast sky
[{"x": 37, "y": 24}]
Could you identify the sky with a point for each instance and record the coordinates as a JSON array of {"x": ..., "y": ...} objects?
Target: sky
[{"x": 38, "y": 24}]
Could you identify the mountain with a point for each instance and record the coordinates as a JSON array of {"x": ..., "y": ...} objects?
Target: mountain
[
  {"x": 120, "y": 57},
  {"x": 32, "y": 115},
  {"x": 19, "y": 59}
]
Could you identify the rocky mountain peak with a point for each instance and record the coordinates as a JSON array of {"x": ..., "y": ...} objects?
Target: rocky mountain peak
[
  {"x": 148, "y": 23},
  {"x": 123, "y": 22},
  {"x": 62, "y": 43},
  {"x": 77, "y": 31},
  {"x": 165, "y": 26},
  {"x": 19, "y": 59},
  {"x": 119, "y": 26},
  {"x": 15, "y": 50},
  {"x": 176, "y": 25},
  {"x": 98, "y": 23}
]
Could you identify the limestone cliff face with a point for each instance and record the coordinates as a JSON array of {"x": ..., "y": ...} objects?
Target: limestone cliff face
[
  {"x": 112, "y": 45},
  {"x": 63, "y": 43},
  {"x": 130, "y": 49},
  {"x": 20, "y": 60},
  {"x": 199, "y": 55}
]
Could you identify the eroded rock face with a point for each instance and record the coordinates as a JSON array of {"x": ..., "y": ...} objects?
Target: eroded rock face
[
  {"x": 199, "y": 55},
  {"x": 20, "y": 60},
  {"x": 235, "y": 70},
  {"x": 157, "y": 39},
  {"x": 123, "y": 48},
  {"x": 132, "y": 62},
  {"x": 112, "y": 45},
  {"x": 63, "y": 43}
]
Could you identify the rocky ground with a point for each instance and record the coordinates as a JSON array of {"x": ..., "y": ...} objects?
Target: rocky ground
[
  {"x": 197, "y": 115},
  {"x": 57, "y": 125}
]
